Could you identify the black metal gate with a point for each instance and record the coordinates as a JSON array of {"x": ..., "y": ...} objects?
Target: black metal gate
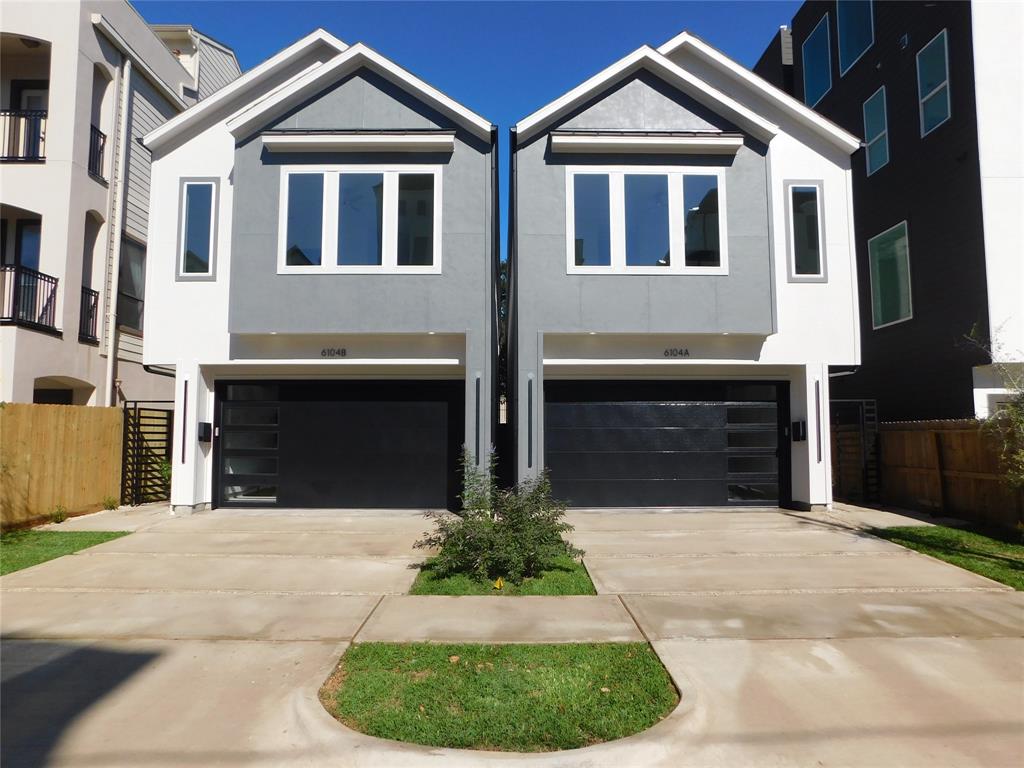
[{"x": 146, "y": 451}]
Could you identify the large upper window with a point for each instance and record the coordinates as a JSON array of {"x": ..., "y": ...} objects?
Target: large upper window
[
  {"x": 876, "y": 132},
  {"x": 645, "y": 220},
  {"x": 854, "y": 19},
  {"x": 360, "y": 219},
  {"x": 817, "y": 63},
  {"x": 196, "y": 239},
  {"x": 806, "y": 236},
  {"x": 889, "y": 257},
  {"x": 933, "y": 83}
]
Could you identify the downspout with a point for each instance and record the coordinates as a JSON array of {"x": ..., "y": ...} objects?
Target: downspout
[{"x": 116, "y": 219}]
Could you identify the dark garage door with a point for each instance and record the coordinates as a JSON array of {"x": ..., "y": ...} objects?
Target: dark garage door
[
  {"x": 666, "y": 443},
  {"x": 346, "y": 444}
]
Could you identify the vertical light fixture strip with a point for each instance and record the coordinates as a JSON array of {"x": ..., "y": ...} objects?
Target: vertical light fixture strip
[
  {"x": 184, "y": 420},
  {"x": 817, "y": 415},
  {"x": 477, "y": 432},
  {"x": 529, "y": 422}
]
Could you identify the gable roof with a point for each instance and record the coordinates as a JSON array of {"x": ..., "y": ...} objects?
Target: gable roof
[
  {"x": 647, "y": 58},
  {"x": 800, "y": 111},
  {"x": 250, "y": 79},
  {"x": 657, "y": 62},
  {"x": 355, "y": 57}
]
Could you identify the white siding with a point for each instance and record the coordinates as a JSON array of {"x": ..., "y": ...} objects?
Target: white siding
[
  {"x": 149, "y": 110},
  {"x": 217, "y": 68},
  {"x": 129, "y": 347}
]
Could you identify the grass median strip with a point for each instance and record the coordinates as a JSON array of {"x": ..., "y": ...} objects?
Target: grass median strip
[
  {"x": 993, "y": 554},
  {"x": 566, "y": 577},
  {"x": 518, "y": 698},
  {"x": 21, "y": 549}
]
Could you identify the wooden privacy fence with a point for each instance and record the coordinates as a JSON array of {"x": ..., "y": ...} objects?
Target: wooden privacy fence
[
  {"x": 57, "y": 455},
  {"x": 948, "y": 467}
]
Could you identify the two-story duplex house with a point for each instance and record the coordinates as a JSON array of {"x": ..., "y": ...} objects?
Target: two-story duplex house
[
  {"x": 80, "y": 84},
  {"x": 936, "y": 92},
  {"x": 682, "y": 277},
  {"x": 321, "y": 277}
]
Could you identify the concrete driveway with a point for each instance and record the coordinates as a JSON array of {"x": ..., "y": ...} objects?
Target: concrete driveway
[{"x": 795, "y": 640}]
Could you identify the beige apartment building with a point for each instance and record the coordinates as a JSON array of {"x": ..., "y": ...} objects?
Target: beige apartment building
[{"x": 80, "y": 84}]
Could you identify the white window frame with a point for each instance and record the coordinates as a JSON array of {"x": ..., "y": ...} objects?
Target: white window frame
[
  {"x": 329, "y": 243},
  {"x": 910, "y": 282},
  {"x": 211, "y": 271},
  {"x": 839, "y": 38},
  {"x": 923, "y": 97},
  {"x": 821, "y": 276},
  {"x": 828, "y": 58},
  {"x": 617, "y": 215},
  {"x": 883, "y": 136}
]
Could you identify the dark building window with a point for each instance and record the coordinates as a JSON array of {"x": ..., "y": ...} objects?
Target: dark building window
[
  {"x": 817, "y": 61},
  {"x": 131, "y": 284},
  {"x": 592, "y": 220},
  {"x": 933, "y": 83},
  {"x": 305, "y": 219},
  {"x": 876, "y": 132},
  {"x": 361, "y": 218},
  {"x": 856, "y": 31}
]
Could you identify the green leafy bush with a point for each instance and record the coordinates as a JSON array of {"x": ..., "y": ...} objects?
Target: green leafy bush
[
  {"x": 109, "y": 502},
  {"x": 59, "y": 514},
  {"x": 512, "y": 534},
  {"x": 165, "y": 472}
]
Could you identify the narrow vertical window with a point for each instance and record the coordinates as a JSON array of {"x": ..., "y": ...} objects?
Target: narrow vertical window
[
  {"x": 855, "y": 22},
  {"x": 647, "y": 230},
  {"x": 817, "y": 63},
  {"x": 933, "y": 83},
  {"x": 360, "y": 218},
  {"x": 805, "y": 230},
  {"x": 197, "y": 229},
  {"x": 889, "y": 257},
  {"x": 415, "y": 219},
  {"x": 305, "y": 219},
  {"x": 876, "y": 132},
  {"x": 701, "y": 223},
  {"x": 591, "y": 220}
]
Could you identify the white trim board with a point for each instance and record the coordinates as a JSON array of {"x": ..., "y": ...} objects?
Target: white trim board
[
  {"x": 355, "y": 57},
  {"x": 801, "y": 112},
  {"x": 253, "y": 77},
  {"x": 321, "y": 142},
  {"x": 649, "y": 59},
  {"x": 618, "y": 143},
  {"x": 109, "y": 32}
]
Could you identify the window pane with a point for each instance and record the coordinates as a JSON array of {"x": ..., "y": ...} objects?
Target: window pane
[
  {"x": 360, "y": 218},
  {"x": 877, "y": 154},
  {"x": 647, "y": 243},
  {"x": 855, "y": 32},
  {"x": 931, "y": 66},
  {"x": 700, "y": 198},
  {"x": 817, "y": 63},
  {"x": 251, "y": 440},
  {"x": 250, "y": 416},
  {"x": 592, "y": 220},
  {"x": 874, "y": 116},
  {"x": 264, "y": 493},
  {"x": 935, "y": 109},
  {"x": 250, "y": 465},
  {"x": 131, "y": 284},
  {"x": 415, "y": 219},
  {"x": 890, "y": 276},
  {"x": 305, "y": 219},
  {"x": 29, "y": 234},
  {"x": 198, "y": 207},
  {"x": 806, "y": 233}
]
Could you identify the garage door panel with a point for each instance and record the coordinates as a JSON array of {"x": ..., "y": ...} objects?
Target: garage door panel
[
  {"x": 634, "y": 493},
  {"x": 664, "y": 443},
  {"x": 622, "y": 440},
  {"x": 635, "y": 415},
  {"x": 660, "y": 465}
]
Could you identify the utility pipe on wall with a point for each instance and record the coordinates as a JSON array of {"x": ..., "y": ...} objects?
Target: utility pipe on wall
[{"x": 116, "y": 219}]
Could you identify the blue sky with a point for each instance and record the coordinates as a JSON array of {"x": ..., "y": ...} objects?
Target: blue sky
[{"x": 501, "y": 59}]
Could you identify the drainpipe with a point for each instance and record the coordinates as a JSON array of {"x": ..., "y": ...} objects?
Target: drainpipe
[{"x": 116, "y": 218}]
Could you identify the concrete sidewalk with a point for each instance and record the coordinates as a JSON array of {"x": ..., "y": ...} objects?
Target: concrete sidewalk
[{"x": 795, "y": 639}]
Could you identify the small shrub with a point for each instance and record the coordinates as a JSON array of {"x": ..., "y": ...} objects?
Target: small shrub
[
  {"x": 165, "y": 472},
  {"x": 110, "y": 502},
  {"x": 512, "y": 534},
  {"x": 59, "y": 514}
]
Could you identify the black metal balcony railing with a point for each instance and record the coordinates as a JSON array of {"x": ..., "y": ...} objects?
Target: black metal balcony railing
[
  {"x": 22, "y": 135},
  {"x": 87, "y": 316},
  {"x": 97, "y": 144},
  {"x": 29, "y": 298}
]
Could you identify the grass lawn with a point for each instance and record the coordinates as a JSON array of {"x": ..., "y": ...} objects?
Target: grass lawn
[
  {"x": 519, "y": 698},
  {"x": 999, "y": 556},
  {"x": 20, "y": 549},
  {"x": 568, "y": 577}
]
